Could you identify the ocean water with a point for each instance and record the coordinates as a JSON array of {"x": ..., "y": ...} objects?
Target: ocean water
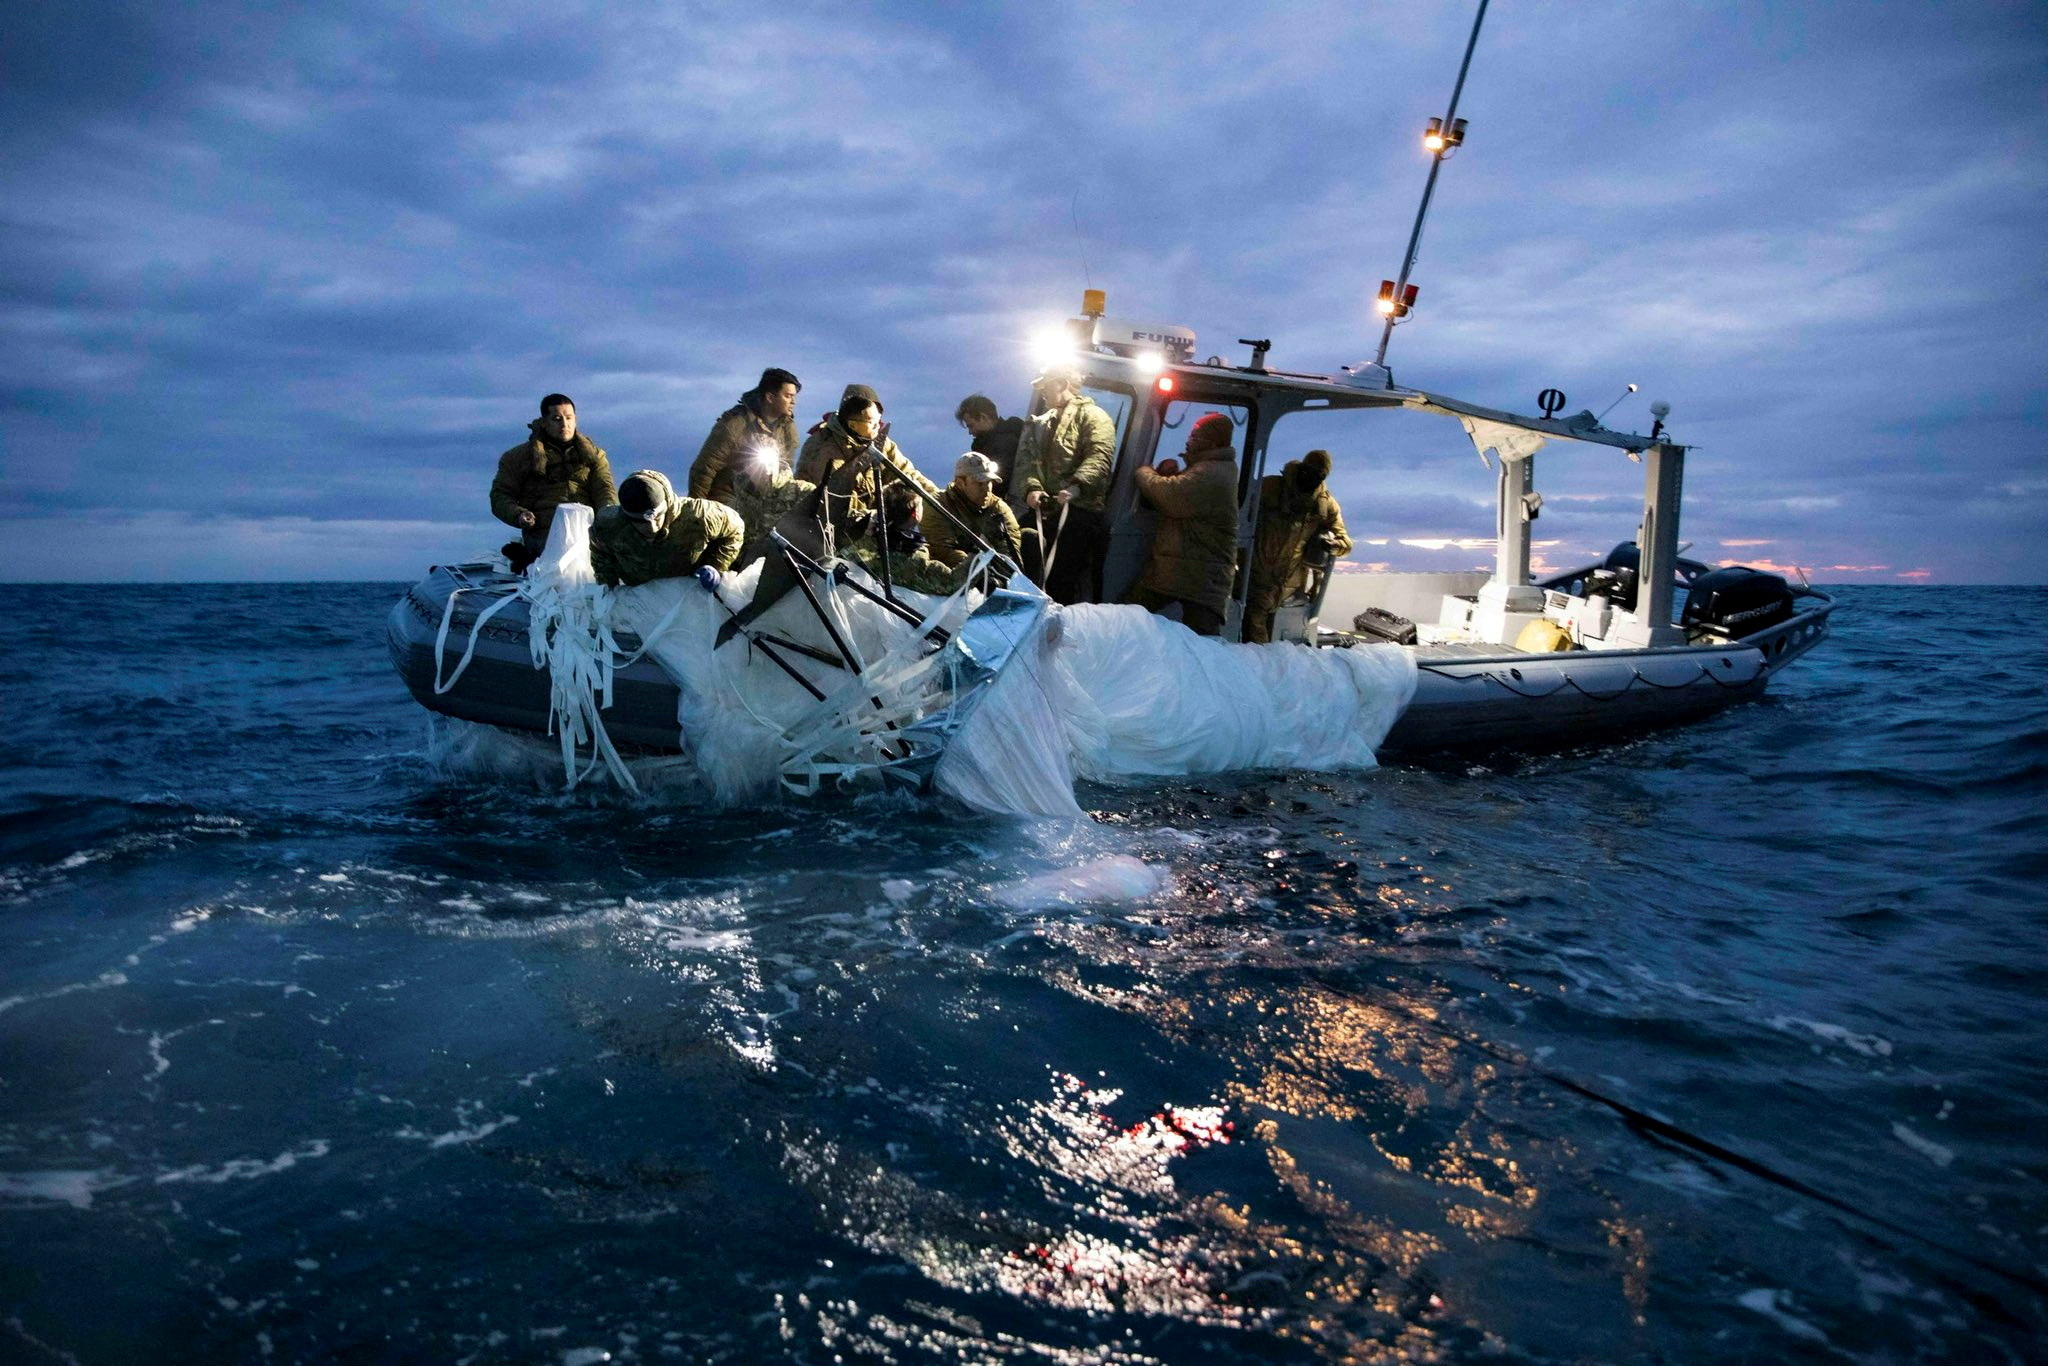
[{"x": 324, "y": 1040}]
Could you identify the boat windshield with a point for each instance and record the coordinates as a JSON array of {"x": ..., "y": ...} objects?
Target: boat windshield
[{"x": 1115, "y": 402}]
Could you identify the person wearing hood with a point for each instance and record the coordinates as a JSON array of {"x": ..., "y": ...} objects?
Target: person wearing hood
[
  {"x": 1194, "y": 548},
  {"x": 763, "y": 492},
  {"x": 557, "y": 464},
  {"x": 1064, "y": 461},
  {"x": 911, "y": 564},
  {"x": 834, "y": 458},
  {"x": 763, "y": 420},
  {"x": 653, "y": 534},
  {"x": 1299, "y": 525},
  {"x": 972, "y": 498}
]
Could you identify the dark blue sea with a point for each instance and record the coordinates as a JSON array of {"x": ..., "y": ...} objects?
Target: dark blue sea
[{"x": 318, "y": 1045}]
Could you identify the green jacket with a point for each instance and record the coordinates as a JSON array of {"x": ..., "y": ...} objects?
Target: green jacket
[
  {"x": 761, "y": 509},
  {"x": 1290, "y": 522},
  {"x": 916, "y": 571},
  {"x": 1194, "y": 549},
  {"x": 733, "y": 438},
  {"x": 851, "y": 489},
  {"x": 538, "y": 477},
  {"x": 993, "y": 522},
  {"x": 694, "y": 531},
  {"x": 1073, "y": 448}
]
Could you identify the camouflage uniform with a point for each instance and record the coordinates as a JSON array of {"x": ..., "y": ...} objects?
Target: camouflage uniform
[
  {"x": 852, "y": 490},
  {"x": 538, "y": 476},
  {"x": 1290, "y": 522},
  {"x": 734, "y": 437},
  {"x": 993, "y": 522},
  {"x": 690, "y": 532},
  {"x": 915, "y": 570},
  {"x": 761, "y": 508}
]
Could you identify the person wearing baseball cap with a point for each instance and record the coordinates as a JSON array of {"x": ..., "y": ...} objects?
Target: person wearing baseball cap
[{"x": 973, "y": 498}]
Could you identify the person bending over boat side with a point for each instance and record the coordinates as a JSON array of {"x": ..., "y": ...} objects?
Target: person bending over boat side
[
  {"x": 1194, "y": 549},
  {"x": 764, "y": 419},
  {"x": 1064, "y": 461},
  {"x": 911, "y": 565},
  {"x": 994, "y": 436},
  {"x": 763, "y": 492},
  {"x": 654, "y": 534},
  {"x": 1299, "y": 525},
  {"x": 833, "y": 456},
  {"x": 555, "y": 465},
  {"x": 972, "y": 498}
]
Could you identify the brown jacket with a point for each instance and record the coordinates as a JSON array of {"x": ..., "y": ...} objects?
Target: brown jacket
[
  {"x": 1194, "y": 551},
  {"x": 1290, "y": 524},
  {"x": 852, "y": 489},
  {"x": 538, "y": 477},
  {"x": 733, "y": 438}
]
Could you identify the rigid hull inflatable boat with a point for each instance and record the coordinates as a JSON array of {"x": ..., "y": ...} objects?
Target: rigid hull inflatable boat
[{"x": 1642, "y": 639}]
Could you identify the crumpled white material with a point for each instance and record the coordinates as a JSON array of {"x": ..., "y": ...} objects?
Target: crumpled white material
[
  {"x": 1117, "y": 692},
  {"x": 1107, "y": 693}
]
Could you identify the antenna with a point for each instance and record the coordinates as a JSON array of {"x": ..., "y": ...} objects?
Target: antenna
[
  {"x": 1610, "y": 407},
  {"x": 1444, "y": 136}
]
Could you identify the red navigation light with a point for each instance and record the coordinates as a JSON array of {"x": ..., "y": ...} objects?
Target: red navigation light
[
  {"x": 1165, "y": 383},
  {"x": 1408, "y": 297}
]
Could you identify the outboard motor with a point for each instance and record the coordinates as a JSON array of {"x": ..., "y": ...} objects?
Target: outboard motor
[{"x": 1735, "y": 602}]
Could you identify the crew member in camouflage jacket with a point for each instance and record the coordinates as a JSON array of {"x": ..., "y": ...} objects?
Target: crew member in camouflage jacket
[
  {"x": 653, "y": 534},
  {"x": 1064, "y": 462},
  {"x": 971, "y": 497},
  {"x": 762, "y": 496},
  {"x": 761, "y": 423},
  {"x": 1299, "y": 521},
  {"x": 556, "y": 465},
  {"x": 911, "y": 565},
  {"x": 833, "y": 456}
]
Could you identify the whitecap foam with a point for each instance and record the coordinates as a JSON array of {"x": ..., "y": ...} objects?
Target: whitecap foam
[
  {"x": 73, "y": 1188},
  {"x": 1771, "y": 1304},
  {"x": 1938, "y": 1153},
  {"x": 245, "y": 1168}
]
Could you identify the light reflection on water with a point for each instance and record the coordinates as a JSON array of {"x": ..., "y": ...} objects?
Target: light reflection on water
[{"x": 311, "y": 1046}]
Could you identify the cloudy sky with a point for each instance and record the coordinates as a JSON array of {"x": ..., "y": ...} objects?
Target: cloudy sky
[{"x": 280, "y": 282}]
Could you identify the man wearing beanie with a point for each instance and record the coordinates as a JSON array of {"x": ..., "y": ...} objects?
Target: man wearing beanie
[
  {"x": 653, "y": 534},
  {"x": 761, "y": 426},
  {"x": 834, "y": 456},
  {"x": 1299, "y": 525},
  {"x": 1194, "y": 549},
  {"x": 557, "y": 464}
]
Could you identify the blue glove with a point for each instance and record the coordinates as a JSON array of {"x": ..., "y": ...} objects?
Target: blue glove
[{"x": 707, "y": 576}]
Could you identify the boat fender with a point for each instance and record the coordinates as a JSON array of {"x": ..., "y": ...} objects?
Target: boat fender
[{"x": 1543, "y": 636}]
